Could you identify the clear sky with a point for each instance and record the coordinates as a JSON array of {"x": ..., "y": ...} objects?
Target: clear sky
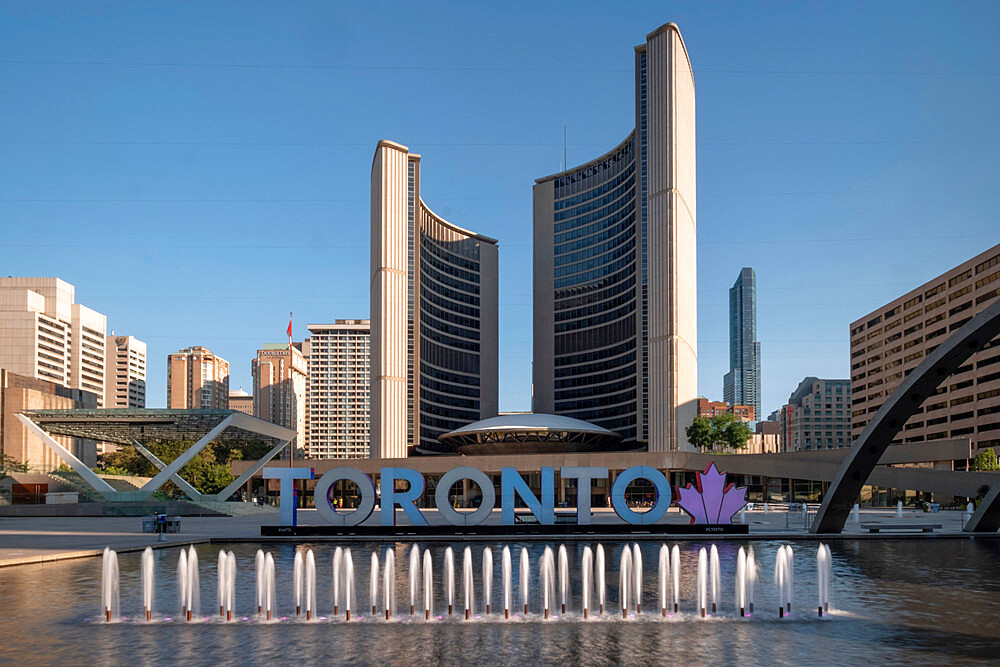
[{"x": 199, "y": 170}]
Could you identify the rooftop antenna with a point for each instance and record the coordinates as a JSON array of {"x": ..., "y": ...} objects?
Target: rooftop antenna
[{"x": 565, "y": 163}]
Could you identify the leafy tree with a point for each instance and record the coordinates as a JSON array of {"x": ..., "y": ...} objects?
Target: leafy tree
[
  {"x": 700, "y": 433},
  {"x": 731, "y": 432},
  {"x": 723, "y": 430},
  {"x": 208, "y": 472},
  {"x": 9, "y": 464},
  {"x": 985, "y": 460}
]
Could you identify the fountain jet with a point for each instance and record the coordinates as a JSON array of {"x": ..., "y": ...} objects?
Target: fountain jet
[
  {"x": 505, "y": 577},
  {"x": 147, "y": 583},
  {"x": 414, "y": 577},
  {"x": 109, "y": 584},
  {"x": 389, "y": 583},
  {"x": 487, "y": 578},
  {"x": 586, "y": 578}
]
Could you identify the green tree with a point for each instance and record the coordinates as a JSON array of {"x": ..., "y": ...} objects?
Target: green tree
[
  {"x": 731, "y": 432},
  {"x": 9, "y": 464},
  {"x": 208, "y": 472},
  {"x": 722, "y": 430},
  {"x": 700, "y": 433},
  {"x": 985, "y": 460}
]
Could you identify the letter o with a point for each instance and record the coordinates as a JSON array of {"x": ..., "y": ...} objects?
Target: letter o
[
  {"x": 366, "y": 489},
  {"x": 453, "y": 516},
  {"x": 660, "y": 505}
]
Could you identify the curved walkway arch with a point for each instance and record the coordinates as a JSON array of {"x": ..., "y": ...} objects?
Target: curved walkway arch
[{"x": 921, "y": 383}]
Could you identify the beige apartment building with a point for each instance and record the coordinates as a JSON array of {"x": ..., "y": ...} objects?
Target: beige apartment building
[
  {"x": 20, "y": 392},
  {"x": 197, "y": 379},
  {"x": 241, "y": 401},
  {"x": 126, "y": 381},
  {"x": 889, "y": 342},
  {"x": 44, "y": 334},
  {"x": 279, "y": 389},
  {"x": 339, "y": 360},
  {"x": 817, "y": 415},
  {"x": 434, "y": 349}
]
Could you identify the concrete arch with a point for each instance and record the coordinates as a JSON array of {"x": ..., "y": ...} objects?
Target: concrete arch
[{"x": 921, "y": 383}]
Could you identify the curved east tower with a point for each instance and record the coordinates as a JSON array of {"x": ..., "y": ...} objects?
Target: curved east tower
[
  {"x": 615, "y": 285},
  {"x": 433, "y": 315}
]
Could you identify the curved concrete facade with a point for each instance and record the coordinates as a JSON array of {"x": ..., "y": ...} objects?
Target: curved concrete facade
[
  {"x": 615, "y": 285},
  {"x": 433, "y": 315}
]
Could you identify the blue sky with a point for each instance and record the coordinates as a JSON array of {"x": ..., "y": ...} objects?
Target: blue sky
[{"x": 199, "y": 170}]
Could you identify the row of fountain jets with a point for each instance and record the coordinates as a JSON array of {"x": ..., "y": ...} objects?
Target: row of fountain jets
[{"x": 553, "y": 571}]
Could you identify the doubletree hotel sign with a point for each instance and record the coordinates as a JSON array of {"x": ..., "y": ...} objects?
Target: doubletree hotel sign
[{"x": 711, "y": 502}]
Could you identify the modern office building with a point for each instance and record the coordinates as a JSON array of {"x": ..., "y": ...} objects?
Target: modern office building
[
  {"x": 21, "y": 392},
  {"x": 338, "y": 404},
  {"x": 817, "y": 415},
  {"x": 197, "y": 379},
  {"x": 44, "y": 334},
  {"x": 615, "y": 284},
  {"x": 126, "y": 381},
  {"x": 741, "y": 385},
  {"x": 433, "y": 315},
  {"x": 279, "y": 389},
  {"x": 709, "y": 409},
  {"x": 241, "y": 401},
  {"x": 889, "y": 342}
]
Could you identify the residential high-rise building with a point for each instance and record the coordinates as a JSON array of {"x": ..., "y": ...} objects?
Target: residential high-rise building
[
  {"x": 887, "y": 343},
  {"x": 338, "y": 395},
  {"x": 279, "y": 389},
  {"x": 709, "y": 409},
  {"x": 19, "y": 393},
  {"x": 817, "y": 415},
  {"x": 197, "y": 379},
  {"x": 615, "y": 282},
  {"x": 126, "y": 381},
  {"x": 742, "y": 383},
  {"x": 434, "y": 329},
  {"x": 44, "y": 334},
  {"x": 241, "y": 401}
]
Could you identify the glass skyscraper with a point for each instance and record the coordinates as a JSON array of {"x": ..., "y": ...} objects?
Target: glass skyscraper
[
  {"x": 615, "y": 294},
  {"x": 741, "y": 385}
]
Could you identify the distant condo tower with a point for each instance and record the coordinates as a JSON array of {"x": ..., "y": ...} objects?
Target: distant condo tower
[
  {"x": 433, "y": 315},
  {"x": 615, "y": 286},
  {"x": 741, "y": 385}
]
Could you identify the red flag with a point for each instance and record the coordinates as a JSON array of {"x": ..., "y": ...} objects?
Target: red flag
[{"x": 289, "y": 330}]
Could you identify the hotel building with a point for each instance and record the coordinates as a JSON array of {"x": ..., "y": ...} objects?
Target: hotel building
[
  {"x": 817, "y": 415},
  {"x": 279, "y": 389},
  {"x": 197, "y": 379},
  {"x": 126, "y": 382},
  {"x": 889, "y": 342},
  {"x": 615, "y": 293},
  {"x": 339, "y": 359},
  {"x": 45, "y": 335},
  {"x": 433, "y": 315}
]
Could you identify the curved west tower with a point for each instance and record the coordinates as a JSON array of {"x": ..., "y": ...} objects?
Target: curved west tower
[
  {"x": 433, "y": 315},
  {"x": 615, "y": 285}
]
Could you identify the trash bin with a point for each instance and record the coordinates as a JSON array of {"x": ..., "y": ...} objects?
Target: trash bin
[{"x": 149, "y": 524}]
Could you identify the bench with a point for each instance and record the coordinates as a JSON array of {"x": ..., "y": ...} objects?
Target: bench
[{"x": 923, "y": 527}]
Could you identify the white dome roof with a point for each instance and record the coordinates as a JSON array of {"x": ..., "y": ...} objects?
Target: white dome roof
[{"x": 531, "y": 421}]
